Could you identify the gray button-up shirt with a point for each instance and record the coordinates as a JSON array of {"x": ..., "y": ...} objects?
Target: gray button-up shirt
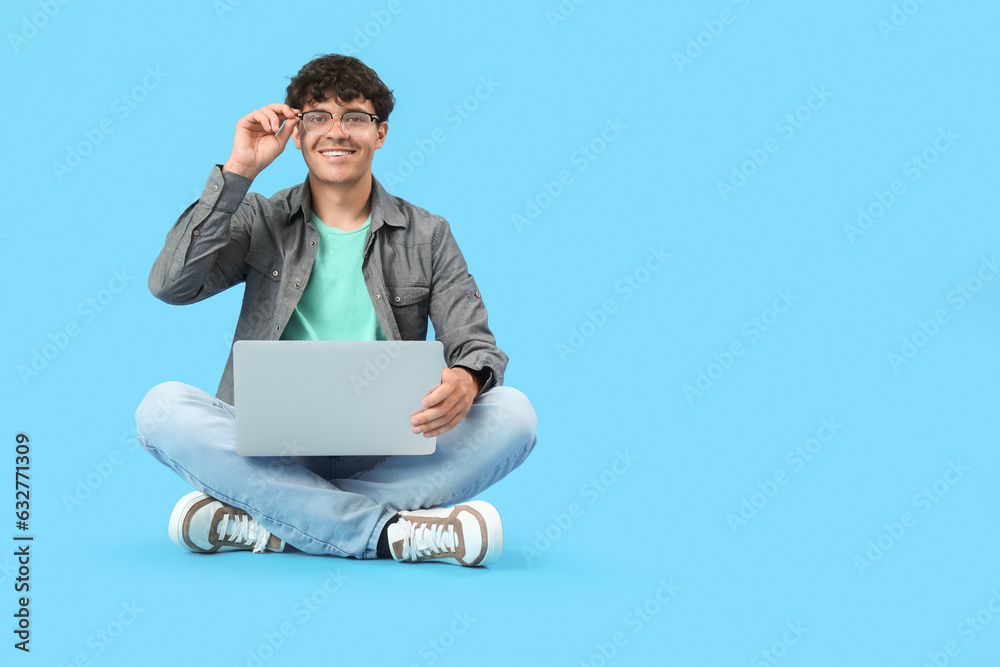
[{"x": 412, "y": 267}]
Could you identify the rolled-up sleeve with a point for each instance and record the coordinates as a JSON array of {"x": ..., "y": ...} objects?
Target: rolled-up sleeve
[
  {"x": 459, "y": 315},
  {"x": 204, "y": 252}
]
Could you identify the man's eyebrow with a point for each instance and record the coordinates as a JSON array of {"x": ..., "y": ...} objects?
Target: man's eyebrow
[{"x": 346, "y": 110}]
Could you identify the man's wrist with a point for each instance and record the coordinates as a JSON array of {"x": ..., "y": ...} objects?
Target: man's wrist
[
  {"x": 478, "y": 377},
  {"x": 239, "y": 169}
]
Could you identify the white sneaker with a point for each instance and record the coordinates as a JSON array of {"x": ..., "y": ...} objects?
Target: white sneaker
[
  {"x": 468, "y": 534},
  {"x": 206, "y": 525}
]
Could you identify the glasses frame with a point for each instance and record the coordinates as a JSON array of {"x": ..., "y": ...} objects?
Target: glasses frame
[{"x": 373, "y": 118}]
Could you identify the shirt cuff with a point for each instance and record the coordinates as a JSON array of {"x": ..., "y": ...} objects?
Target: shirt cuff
[
  {"x": 484, "y": 376},
  {"x": 225, "y": 190}
]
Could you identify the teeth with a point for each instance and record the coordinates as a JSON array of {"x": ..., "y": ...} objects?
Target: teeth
[{"x": 336, "y": 153}]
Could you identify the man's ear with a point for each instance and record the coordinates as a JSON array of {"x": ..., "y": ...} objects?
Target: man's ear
[
  {"x": 383, "y": 129},
  {"x": 295, "y": 135}
]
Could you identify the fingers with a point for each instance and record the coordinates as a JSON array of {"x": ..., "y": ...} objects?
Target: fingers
[
  {"x": 441, "y": 417},
  {"x": 279, "y": 113},
  {"x": 441, "y": 424},
  {"x": 426, "y": 419},
  {"x": 269, "y": 118},
  {"x": 444, "y": 406},
  {"x": 266, "y": 120},
  {"x": 286, "y": 131},
  {"x": 442, "y": 429},
  {"x": 283, "y": 109},
  {"x": 420, "y": 420},
  {"x": 260, "y": 137},
  {"x": 438, "y": 394}
]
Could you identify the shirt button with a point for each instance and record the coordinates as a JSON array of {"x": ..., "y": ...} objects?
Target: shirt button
[
  {"x": 478, "y": 295},
  {"x": 397, "y": 299},
  {"x": 195, "y": 233},
  {"x": 215, "y": 188},
  {"x": 277, "y": 328},
  {"x": 274, "y": 273},
  {"x": 378, "y": 296},
  {"x": 312, "y": 243},
  {"x": 298, "y": 284}
]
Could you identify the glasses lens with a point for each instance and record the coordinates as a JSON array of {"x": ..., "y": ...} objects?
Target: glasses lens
[
  {"x": 356, "y": 124},
  {"x": 317, "y": 123}
]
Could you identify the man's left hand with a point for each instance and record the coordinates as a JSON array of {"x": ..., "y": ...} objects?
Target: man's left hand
[{"x": 446, "y": 404}]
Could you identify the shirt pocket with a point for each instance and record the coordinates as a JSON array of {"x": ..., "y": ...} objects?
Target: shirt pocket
[
  {"x": 263, "y": 285},
  {"x": 410, "y": 304}
]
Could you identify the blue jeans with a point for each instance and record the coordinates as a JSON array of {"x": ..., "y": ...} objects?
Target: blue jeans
[{"x": 334, "y": 505}]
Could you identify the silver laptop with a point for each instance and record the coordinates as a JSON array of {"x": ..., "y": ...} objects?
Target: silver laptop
[{"x": 332, "y": 398}]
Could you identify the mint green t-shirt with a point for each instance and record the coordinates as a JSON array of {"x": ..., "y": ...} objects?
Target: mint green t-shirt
[{"x": 335, "y": 304}]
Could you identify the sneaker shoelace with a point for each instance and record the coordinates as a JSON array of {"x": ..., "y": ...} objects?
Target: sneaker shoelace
[
  {"x": 243, "y": 530},
  {"x": 433, "y": 537}
]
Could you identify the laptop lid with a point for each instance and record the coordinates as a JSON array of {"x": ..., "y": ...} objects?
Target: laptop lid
[{"x": 332, "y": 398}]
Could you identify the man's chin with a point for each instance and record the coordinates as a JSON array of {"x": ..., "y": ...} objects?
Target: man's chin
[{"x": 337, "y": 178}]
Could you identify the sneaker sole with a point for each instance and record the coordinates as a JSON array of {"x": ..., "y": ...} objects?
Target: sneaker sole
[
  {"x": 177, "y": 517},
  {"x": 494, "y": 530}
]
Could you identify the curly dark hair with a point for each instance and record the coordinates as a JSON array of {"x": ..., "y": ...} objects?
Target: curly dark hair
[{"x": 342, "y": 78}]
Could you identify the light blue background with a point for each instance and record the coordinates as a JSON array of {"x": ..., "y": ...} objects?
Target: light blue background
[{"x": 662, "y": 519}]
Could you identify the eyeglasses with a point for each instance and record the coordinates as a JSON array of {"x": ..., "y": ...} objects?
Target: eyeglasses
[{"x": 355, "y": 123}]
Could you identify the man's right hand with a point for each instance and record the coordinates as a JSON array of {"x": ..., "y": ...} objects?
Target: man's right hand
[{"x": 260, "y": 138}]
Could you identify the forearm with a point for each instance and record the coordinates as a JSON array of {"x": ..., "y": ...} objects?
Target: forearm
[
  {"x": 468, "y": 341},
  {"x": 459, "y": 315},
  {"x": 479, "y": 377},
  {"x": 482, "y": 358},
  {"x": 202, "y": 255}
]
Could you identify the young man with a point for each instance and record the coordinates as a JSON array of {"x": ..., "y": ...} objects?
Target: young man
[{"x": 334, "y": 258}]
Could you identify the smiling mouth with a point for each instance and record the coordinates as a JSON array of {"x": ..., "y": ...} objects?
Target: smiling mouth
[{"x": 336, "y": 153}]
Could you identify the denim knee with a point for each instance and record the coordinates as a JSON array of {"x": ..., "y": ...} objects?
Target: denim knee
[
  {"x": 158, "y": 407},
  {"x": 517, "y": 414}
]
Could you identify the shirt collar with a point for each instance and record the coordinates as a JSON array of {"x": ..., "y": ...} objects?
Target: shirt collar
[{"x": 384, "y": 207}]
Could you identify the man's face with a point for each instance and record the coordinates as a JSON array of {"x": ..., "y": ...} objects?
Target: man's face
[{"x": 337, "y": 158}]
